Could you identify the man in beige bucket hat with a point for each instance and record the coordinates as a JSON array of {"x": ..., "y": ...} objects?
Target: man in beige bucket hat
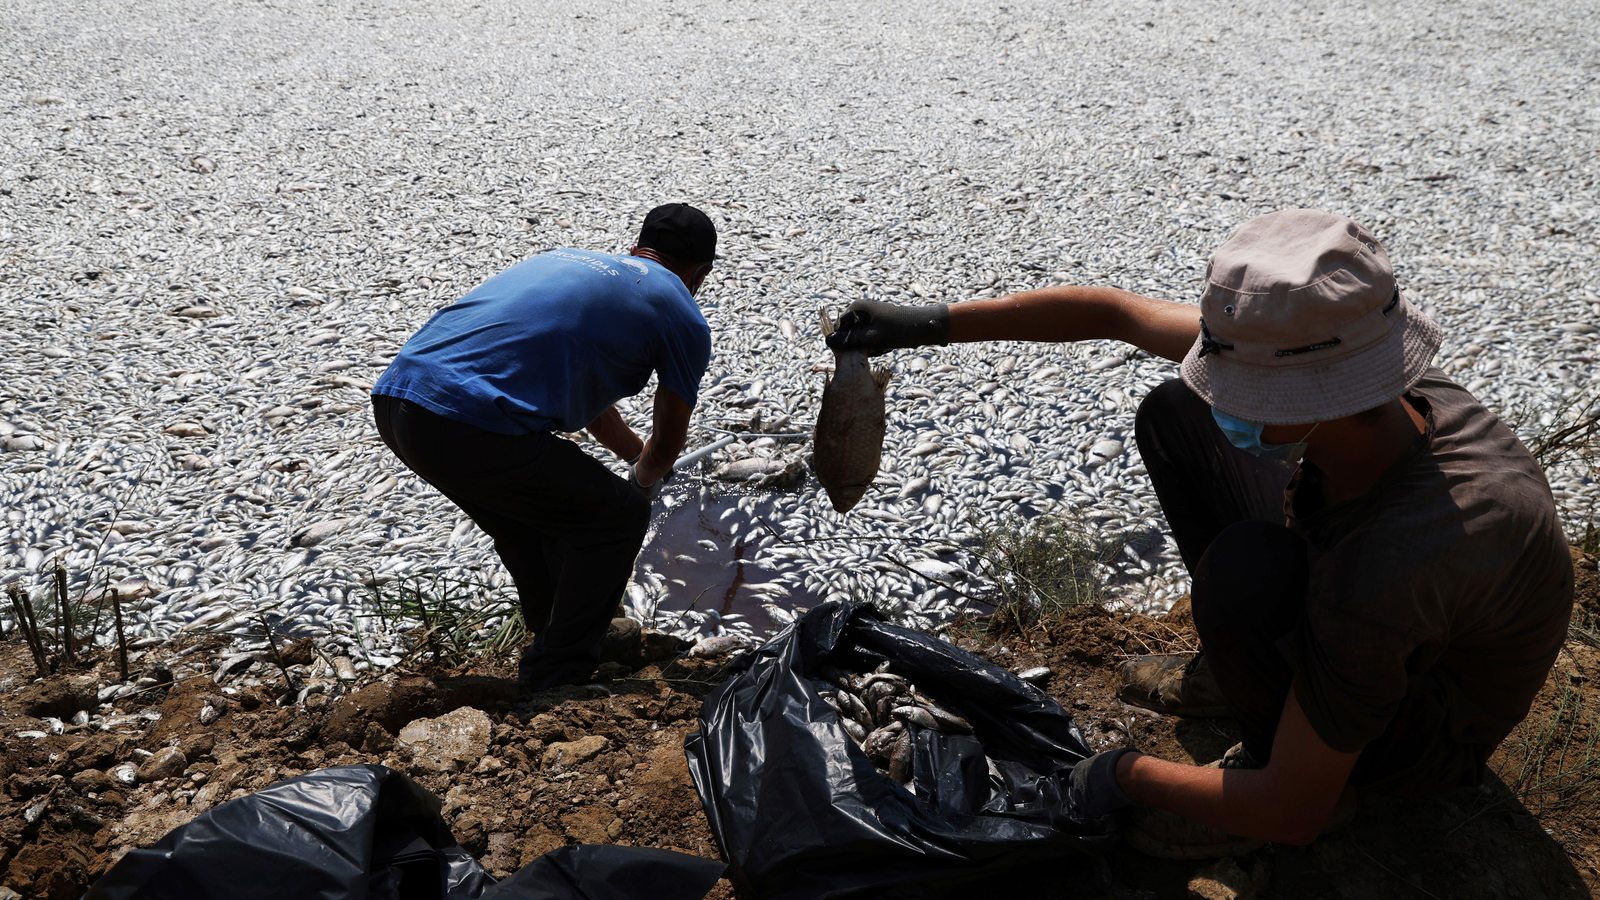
[{"x": 1378, "y": 616}]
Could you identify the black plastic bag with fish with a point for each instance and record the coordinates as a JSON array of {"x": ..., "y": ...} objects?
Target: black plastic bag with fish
[
  {"x": 368, "y": 832},
  {"x": 801, "y": 812}
]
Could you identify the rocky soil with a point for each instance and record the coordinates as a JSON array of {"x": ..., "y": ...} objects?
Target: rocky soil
[{"x": 519, "y": 774}]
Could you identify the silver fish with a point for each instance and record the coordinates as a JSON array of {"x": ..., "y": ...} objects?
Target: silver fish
[
  {"x": 745, "y": 469},
  {"x": 709, "y": 647},
  {"x": 916, "y": 715},
  {"x": 948, "y": 721},
  {"x": 848, "y": 443},
  {"x": 900, "y": 761},
  {"x": 856, "y": 732}
]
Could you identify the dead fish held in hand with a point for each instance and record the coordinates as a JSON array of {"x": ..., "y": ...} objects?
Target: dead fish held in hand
[{"x": 848, "y": 444}]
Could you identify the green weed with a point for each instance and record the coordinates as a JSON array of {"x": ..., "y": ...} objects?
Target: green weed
[
  {"x": 449, "y": 617},
  {"x": 1040, "y": 567}
]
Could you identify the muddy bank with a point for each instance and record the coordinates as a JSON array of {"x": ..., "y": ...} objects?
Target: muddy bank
[{"x": 520, "y": 774}]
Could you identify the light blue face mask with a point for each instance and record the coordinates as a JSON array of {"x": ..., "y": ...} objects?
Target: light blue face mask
[{"x": 1247, "y": 437}]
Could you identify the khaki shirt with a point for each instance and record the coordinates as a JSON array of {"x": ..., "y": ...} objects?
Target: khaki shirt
[{"x": 1451, "y": 576}]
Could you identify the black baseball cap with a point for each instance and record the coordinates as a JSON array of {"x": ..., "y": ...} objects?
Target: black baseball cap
[{"x": 681, "y": 232}]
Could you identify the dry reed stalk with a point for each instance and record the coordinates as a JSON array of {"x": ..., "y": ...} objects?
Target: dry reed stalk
[
  {"x": 122, "y": 639},
  {"x": 29, "y": 628},
  {"x": 67, "y": 654}
]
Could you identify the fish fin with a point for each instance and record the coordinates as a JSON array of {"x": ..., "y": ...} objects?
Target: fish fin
[
  {"x": 827, "y": 322},
  {"x": 881, "y": 378}
]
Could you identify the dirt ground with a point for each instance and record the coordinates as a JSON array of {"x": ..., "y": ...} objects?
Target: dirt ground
[{"x": 586, "y": 765}]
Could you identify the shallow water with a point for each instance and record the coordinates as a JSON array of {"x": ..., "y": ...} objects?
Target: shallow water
[{"x": 700, "y": 554}]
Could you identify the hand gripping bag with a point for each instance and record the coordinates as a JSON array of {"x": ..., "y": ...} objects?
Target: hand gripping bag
[{"x": 800, "y": 811}]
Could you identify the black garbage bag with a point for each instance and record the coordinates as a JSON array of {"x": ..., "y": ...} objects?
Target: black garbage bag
[
  {"x": 801, "y": 812},
  {"x": 367, "y": 831}
]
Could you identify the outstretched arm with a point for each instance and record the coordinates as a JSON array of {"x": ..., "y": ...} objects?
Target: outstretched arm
[
  {"x": 1075, "y": 313},
  {"x": 669, "y": 429},
  {"x": 1290, "y": 801},
  {"x": 1064, "y": 313}
]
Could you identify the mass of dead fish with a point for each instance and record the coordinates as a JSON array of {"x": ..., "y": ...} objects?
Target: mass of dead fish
[{"x": 880, "y": 711}]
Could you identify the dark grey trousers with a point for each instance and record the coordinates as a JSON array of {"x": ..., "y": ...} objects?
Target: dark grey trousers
[{"x": 567, "y": 530}]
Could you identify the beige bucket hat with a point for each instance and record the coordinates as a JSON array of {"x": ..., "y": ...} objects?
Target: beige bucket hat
[{"x": 1301, "y": 321}]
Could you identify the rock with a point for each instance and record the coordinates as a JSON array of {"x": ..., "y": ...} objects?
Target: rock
[
  {"x": 197, "y": 745},
  {"x": 92, "y": 781},
  {"x": 166, "y": 763},
  {"x": 447, "y": 743},
  {"x": 571, "y": 753},
  {"x": 388, "y": 704},
  {"x": 377, "y": 740},
  {"x": 547, "y": 728},
  {"x": 59, "y": 696},
  {"x": 100, "y": 750},
  {"x": 299, "y": 653},
  {"x": 1224, "y": 880},
  {"x": 126, "y": 774},
  {"x": 472, "y": 833}
]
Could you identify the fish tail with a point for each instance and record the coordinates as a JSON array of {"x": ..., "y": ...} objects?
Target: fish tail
[
  {"x": 881, "y": 378},
  {"x": 827, "y": 322}
]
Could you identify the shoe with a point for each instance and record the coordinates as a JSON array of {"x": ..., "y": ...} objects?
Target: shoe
[
  {"x": 622, "y": 643},
  {"x": 1156, "y": 832},
  {"x": 1173, "y": 684},
  {"x": 536, "y": 677}
]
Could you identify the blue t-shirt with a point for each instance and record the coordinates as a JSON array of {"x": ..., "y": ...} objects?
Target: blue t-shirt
[{"x": 553, "y": 341}]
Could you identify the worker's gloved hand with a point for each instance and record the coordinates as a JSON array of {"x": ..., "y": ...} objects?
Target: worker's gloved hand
[
  {"x": 1094, "y": 793},
  {"x": 651, "y": 491},
  {"x": 874, "y": 327}
]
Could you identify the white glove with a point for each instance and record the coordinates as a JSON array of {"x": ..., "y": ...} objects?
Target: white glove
[{"x": 651, "y": 491}]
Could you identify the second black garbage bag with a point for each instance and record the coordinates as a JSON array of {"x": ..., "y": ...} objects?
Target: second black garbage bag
[{"x": 801, "y": 812}]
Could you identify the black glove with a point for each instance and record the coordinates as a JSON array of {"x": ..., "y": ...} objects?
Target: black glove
[
  {"x": 1095, "y": 793},
  {"x": 875, "y": 326},
  {"x": 650, "y": 492}
]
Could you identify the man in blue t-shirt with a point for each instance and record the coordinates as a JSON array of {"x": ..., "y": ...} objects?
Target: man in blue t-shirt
[{"x": 474, "y": 400}]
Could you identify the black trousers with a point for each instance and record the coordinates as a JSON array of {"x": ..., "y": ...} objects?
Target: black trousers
[
  {"x": 1249, "y": 575},
  {"x": 567, "y": 530}
]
